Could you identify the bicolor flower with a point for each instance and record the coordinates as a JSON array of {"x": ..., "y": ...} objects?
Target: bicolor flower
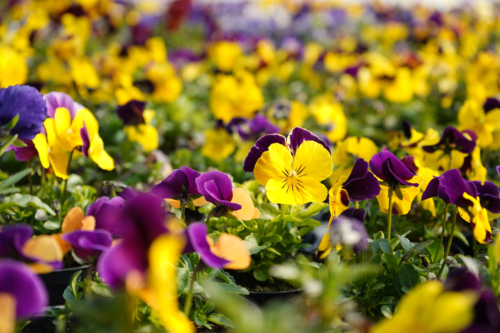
[
  {"x": 472, "y": 116},
  {"x": 140, "y": 221},
  {"x": 180, "y": 186},
  {"x": 428, "y": 308},
  {"x": 360, "y": 185},
  {"x": 217, "y": 189},
  {"x": 103, "y": 210},
  {"x": 93, "y": 147},
  {"x": 57, "y": 100},
  {"x": 138, "y": 126},
  {"x": 291, "y": 170},
  {"x": 73, "y": 221},
  {"x": 42, "y": 253},
  {"x": 22, "y": 294},
  {"x": 397, "y": 179},
  {"x": 229, "y": 252},
  {"x": 287, "y": 115},
  {"x": 412, "y": 141},
  {"x": 88, "y": 245},
  {"x": 472, "y": 167},
  {"x": 347, "y": 229},
  {"x": 23, "y": 154},
  {"x": 27, "y": 103}
]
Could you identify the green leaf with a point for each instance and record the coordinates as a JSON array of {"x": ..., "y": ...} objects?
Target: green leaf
[
  {"x": 232, "y": 289},
  {"x": 20, "y": 200},
  {"x": 261, "y": 273},
  {"x": 405, "y": 243},
  {"x": 14, "y": 178},
  {"x": 52, "y": 225},
  {"x": 381, "y": 245},
  {"x": 408, "y": 277},
  {"x": 274, "y": 239},
  {"x": 10, "y": 190},
  {"x": 433, "y": 249},
  {"x": 399, "y": 194},
  {"x": 226, "y": 277},
  {"x": 7, "y": 144},
  {"x": 391, "y": 261},
  {"x": 379, "y": 235},
  {"x": 221, "y": 320},
  {"x": 253, "y": 246},
  {"x": 101, "y": 289},
  {"x": 12, "y": 123},
  {"x": 182, "y": 279},
  {"x": 69, "y": 297},
  {"x": 313, "y": 209},
  {"x": 268, "y": 211},
  {"x": 386, "y": 310},
  {"x": 420, "y": 247}
]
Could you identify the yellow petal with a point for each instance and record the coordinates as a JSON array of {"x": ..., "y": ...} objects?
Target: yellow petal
[
  {"x": 50, "y": 129},
  {"x": 324, "y": 247},
  {"x": 312, "y": 161},
  {"x": 174, "y": 203},
  {"x": 247, "y": 211},
  {"x": 99, "y": 155},
  {"x": 40, "y": 142},
  {"x": 164, "y": 256},
  {"x": 62, "y": 120},
  {"x": 256, "y": 214},
  {"x": 59, "y": 162},
  {"x": 43, "y": 247},
  {"x": 231, "y": 248},
  {"x": 274, "y": 163},
  {"x": 453, "y": 312},
  {"x": 85, "y": 116},
  {"x": 399, "y": 206},
  {"x": 200, "y": 202},
  {"x": 7, "y": 313},
  {"x": 291, "y": 192},
  {"x": 339, "y": 199}
]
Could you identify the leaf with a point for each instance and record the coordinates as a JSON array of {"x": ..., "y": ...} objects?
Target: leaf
[
  {"x": 433, "y": 250},
  {"x": 52, "y": 225},
  {"x": 14, "y": 178},
  {"x": 101, "y": 289},
  {"x": 252, "y": 245},
  {"x": 379, "y": 235},
  {"x": 232, "y": 289},
  {"x": 274, "y": 238},
  {"x": 20, "y": 200},
  {"x": 405, "y": 243},
  {"x": 273, "y": 250},
  {"x": 69, "y": 297},
  {"x": 268, "y": 211},
  {"x": 399, "y": 194},
  {"x": 10, "y": 190},
  {"x": 182, "y": 279},
  {"x": 261, "y": 273},
  {"x": 408, "y": 277},
  {"x": 226, "y": 277},
  {"x": 386, "y": 310},
  {"x": 313, "y": 209},
  {"x": 391, "y": 261},
  {"x": 221, "y": 320},
  {"x": 381, "y": 245},
  {"x": 7, "y": 144},
  {"x": 420, "y": 247}
]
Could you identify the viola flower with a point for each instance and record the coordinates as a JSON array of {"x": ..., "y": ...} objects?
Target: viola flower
[
  {"x": 27, "y": 103},
  {"x": 347, "y": 229},
  {"x": 329, "y": 114},
  {"x": 93, "y": 147},
  {"x": 104, "y": 210},
  {"x": 472, "y": 116},
  {"x": 42, "y": 253},
  {"x": 73, "y": 221},
  {"x": 132, "y": 113},
  {"x": 57, "y": 100},
  {"x": 139, "y": 222},
  {"x": 225, "y": 54},
  {"x": 349, "y": 150},
  {"x": 291, "y": 170},
  {"x": 360, "y": 185},
  {"x": 26, "y": 153},
  {"x": 229, "y": 252},
  {"x": 88, "y": 245},
  {"x": 428, "y": 308},
  {"x": 412, "y": 141},
  {"x": 166, "y": 82},
  {"x": 472, "y": 167},
  {"x": 138, "y": 126},
  {"x": 219, "y": 144},
  {"x": 287, "y": 114},
  {"x": 398, "y": 180},
  {"x": 180, "y": 186},
  {"x": 22, "y": 294},
  {"x": 217, "y": 189}
]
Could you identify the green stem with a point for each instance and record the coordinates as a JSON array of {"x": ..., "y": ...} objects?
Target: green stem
[
  {"x": 450, "y": 239},
  {"x": 30, "y": 178},
  {"x": 389, "y": 216},
  {"x": 189, "y": 298},
  {"x": 442, "y": 231},
  {"x": 67, "y": 172},
  {"x": 183, "y": 210}
]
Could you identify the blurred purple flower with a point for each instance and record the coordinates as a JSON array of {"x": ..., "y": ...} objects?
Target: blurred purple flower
[
  {"x": 56, "y": 100},
  {"x": 452, "y": 139},
  {"x": 256, "y": 127},
  {"x": 348, "y": 230},
  {"x": 450, "y": 187},
  {"x": 131, "y": 113},
  {"x": 88, "y": 245},
  {"x": 217, "y": 188},
  {"x": 105, "y": 210}
]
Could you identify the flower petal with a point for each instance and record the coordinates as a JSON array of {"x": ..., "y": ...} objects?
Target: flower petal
[
  {"x": 231, "y": 248},
  {"x": 262, "y": 145},
  {"x": 299, "y": 135},
  {"x": 312, "y": 162},
  {"x": 274, "y": 163},
  {"x": 197, "y": 233},
  {"x": 241, "y": 197}
]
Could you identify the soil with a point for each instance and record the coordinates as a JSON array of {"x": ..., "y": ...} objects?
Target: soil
[
  {"x": 247, "y": 281},
  {"x": 215, "y": 329}
]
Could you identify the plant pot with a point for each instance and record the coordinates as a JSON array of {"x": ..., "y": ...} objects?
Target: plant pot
[
  {"x": 57, "y": 281},
  {"x": 262, "y": 297}
]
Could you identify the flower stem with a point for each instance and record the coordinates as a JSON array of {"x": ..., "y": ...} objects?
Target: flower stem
[
  {"x": 442, "y": 231},
  {"x": 30, "y": 178},
  {"x": 389, "y": 216},
  {"x": 450, "y": 239},
  {"x": 357, "y": 204},
  {"x": 183, "y": 210},
  {"x": 189, "y": 298},
  {"x": 67, "y": 172}
]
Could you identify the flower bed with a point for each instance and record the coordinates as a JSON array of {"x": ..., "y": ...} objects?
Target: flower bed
[{"x": 264, "y": 166}]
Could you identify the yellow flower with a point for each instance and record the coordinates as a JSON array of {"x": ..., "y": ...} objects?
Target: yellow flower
[
  {"x": 13, "y": 66},
  {"x": 347, "y": 151},
  {"x": 480, "y": 222},
  {"x": 401, "y": 202},
  {"x": 167, "y": 83},
  {"x": 428, "y": 308},
  {"x": 329, "y": 113},
  {"x": 235, "y": 96},
  {"x": 50, "y": 151},
  {"x": 400, "y": 89},
  {"x": 224, "y": 54},
  {"x": 144, "y": 134},
  {"x": 218, "y": 144},
  {"x": 472, "y": 117},
  {"x": 339, "y": 199},
  {"x": 295, "y": 179}
]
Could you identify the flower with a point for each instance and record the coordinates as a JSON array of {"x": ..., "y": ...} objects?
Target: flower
[
  {"x": 42, "y": 253},
  {"x": 472, "y": 116},
  {"x": 27, "y": 103},
  {"x": 180, "y": 186},
  {"x": 88, "y": 245},
  {"x": 225, "y": 54},
  {"x": 57, "y": 100},
  {"x": 22, "y": 294},
  {"x": 217, "y": 188},
  {"x": 347, "y": 229},
  {"x": 347, "y": 151},
  {"x": 104, "y": 211},
  {"x": 73, "y": 221},
  {"x": 141, "y": 132},
  {"x": 140, "y": 221},
  {"x": 229, "y": 252},
  {"x": 291, "y": 170},
  {"x": 329, "y": 113},
  {"x": 249, "y": 128},
  {"x": 360, "y": 185},
  {"x": 428, "y": 308},
  {"x": 219, "y": 144},
  {"x": 93, "y": 147},
  {"x": 26, "y": 153},
  {"x": 132, "y": 113},
  {"x": 287, "y": 115}
]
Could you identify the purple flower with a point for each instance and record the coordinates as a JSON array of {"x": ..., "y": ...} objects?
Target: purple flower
[
  {"x": 24, "y": 154},
  {"x": 27, "y": 103},
  {"x": 179, "y": 185},
  {"x": 13, "y": 239},
  {"x": 452, "y": 139},
  {"x": 180, "y": 57},
  {"x": 386, "y": 166},
  {"x": 197, "y": 241},
  {"x": 217, "y": 188},
  {"x": 361, "y": 184},
  {"x": 131, "y": 113},
  {"x": 27, "y": 289},
  {"x": 105, "y": 210},
  {"x": 141, "y": 220},
  {"x": 256, "y": 127},
  {"x": 460, "y": 279},
  {"x": 450, "y": 187},
  {"x": 88, "y": 245},
  {"x": 61, "y": 100},
  {"x": 349, "y": 230},
  {"x": 488, "y": 195}
]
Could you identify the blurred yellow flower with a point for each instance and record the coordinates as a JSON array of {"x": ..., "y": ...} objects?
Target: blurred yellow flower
[
  {"x": 329, "y": 114},
  {"x": 218, "y": 144},
  {"x": 144, "y": 134},
  {"x": 347, "y": 151}
]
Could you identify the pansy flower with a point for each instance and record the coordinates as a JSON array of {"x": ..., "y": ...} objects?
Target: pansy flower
[
  {"x": 22, "y": 294},
  {"x": 88, "y": 245},
  {"x": 138, "y": 126},
  {"x": 396, "y": 179},
  {"x": 42, "y": 253},
  {"x": 73, "y": 221},
  {"x": 180, "y": 186},
  {"x": 291, "y": 170},
  {"x": 93, "y": 147},
  {"x": 473, "y": 116},
  {"x": 219, "y": 144},
  {"x": 287, "y": 114},
  {"x": 103, "y": 211},
  {"x": 217, "y": 189},
  {"x": 228, "y": 252},
  {"x": 330, "y": 115}
]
